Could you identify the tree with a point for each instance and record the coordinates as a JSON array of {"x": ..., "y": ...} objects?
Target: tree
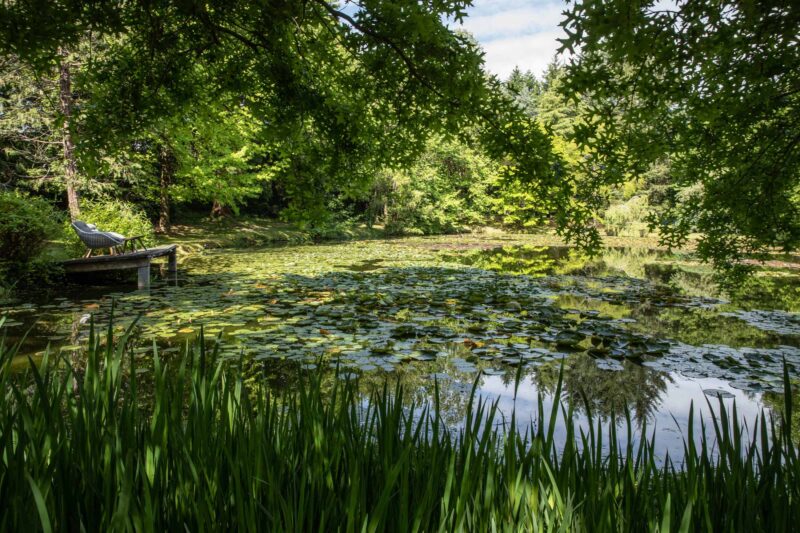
[
  {"x": 393, "y": 65},
  {"x": 715, "y": 86},
  {"x": 556, "y": 111},
  {"x": 344, "y": 90},
  {"x": 446, "y": 190},
  {"x": 519, "y": 204},
  {"x": 225, "y": 159},
  {"x": 525, "y": 89},
  {"x": 38, "y": 125},
  {"x": 65, "y": 99},
  {"x": 211, "y": 153},
  {"x": 30, "y": 142}
]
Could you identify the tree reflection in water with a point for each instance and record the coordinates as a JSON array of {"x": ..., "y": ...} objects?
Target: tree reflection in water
[{"x": 605, "y": 392}]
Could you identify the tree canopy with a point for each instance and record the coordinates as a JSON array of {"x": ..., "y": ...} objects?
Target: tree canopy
[
  {"x": 713, "y": 86},
  {"x": 343, "y": 90}
]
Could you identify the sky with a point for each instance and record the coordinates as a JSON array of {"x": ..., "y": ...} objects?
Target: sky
[{"x": 516, "y": 33}]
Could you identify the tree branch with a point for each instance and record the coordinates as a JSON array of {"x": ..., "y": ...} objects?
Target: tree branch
[{"x": 412, "y": 69}]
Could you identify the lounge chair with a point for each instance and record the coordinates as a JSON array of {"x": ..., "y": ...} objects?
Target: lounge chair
[{"x": 95, "y": 239}]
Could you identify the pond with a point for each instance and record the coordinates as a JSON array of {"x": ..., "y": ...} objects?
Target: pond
[{"x": 631, "y": 330}]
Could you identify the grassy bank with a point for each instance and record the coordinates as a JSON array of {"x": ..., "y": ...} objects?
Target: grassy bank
[
  {"x": 248, "y": 232},
  {"x": 80, "y": 449}
]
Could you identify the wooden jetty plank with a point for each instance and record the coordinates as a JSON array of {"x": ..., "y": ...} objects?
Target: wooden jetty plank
[{"x": 140, "y": 260}]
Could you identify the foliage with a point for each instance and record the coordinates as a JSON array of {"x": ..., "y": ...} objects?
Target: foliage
[
  {"x": 308, "y": 104},
  {"x": 338, "y": 97},
  {"x": 711, "y": 85},
  {"x": 524, "y": 207},
  {"x": 81, "y": 450},
  {"x": 525, "y": 89},
  {"x": 447, "y": 189},
  {"x": 557, "y": 112},
  {"x": 560, "y": 114},
  {"x": 223, "y": 160},
  {"x": 111, "y": 215},
  {"x": 26, "y": 224},
  {"x": 628, "y": 219},
  {"x": 328, "y": 84},
  {"x": 211, "y": 154},
  {"x": 41, "y": 271},
  {"x": 30, "y": 154},
  {"x": 767, "y": 290}
]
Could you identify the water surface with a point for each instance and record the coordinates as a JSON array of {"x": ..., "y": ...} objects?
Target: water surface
[{"x": 631, "y": 331}]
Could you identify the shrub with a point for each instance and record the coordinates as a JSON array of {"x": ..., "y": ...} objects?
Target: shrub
[
  {"x": 112, "y": 215},
  {"x": 26, "y": 224},
  {"x": 40, "y": 271}
]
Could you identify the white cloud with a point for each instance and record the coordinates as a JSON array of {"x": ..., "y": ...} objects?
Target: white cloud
[
  {"x": 516, "y": 33},
  {"x": 528, "y": 52},
  {"x": 523, "y": 20}
]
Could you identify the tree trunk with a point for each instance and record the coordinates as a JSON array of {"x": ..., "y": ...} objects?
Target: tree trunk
[
  {"x": 219, "y": 211},
  {"x": 166, "y": 165},
  {"x": 70, "y": 165}
]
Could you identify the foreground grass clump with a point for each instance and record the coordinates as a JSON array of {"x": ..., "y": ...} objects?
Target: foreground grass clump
[{"x": 82, "y": 450}]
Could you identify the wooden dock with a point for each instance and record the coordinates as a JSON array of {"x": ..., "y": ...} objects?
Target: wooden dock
[{"x": 140, "y": 260}]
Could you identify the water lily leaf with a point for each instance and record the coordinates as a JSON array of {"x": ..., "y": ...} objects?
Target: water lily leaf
[{"x": 719, "y": 393}]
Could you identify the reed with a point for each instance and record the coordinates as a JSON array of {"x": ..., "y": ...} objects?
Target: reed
[{"x": 81, "y": 450}]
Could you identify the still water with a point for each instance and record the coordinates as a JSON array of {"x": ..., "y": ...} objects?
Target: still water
[{"x": 630, "y": 330}]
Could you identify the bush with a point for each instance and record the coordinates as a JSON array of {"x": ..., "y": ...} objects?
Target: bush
[
  {"x": 26, "y": 224},
  {"x": 111, "y": 215},
  {"x": 40, "y": 271}
]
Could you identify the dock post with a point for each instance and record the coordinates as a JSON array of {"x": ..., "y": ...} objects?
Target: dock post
[
  {"x": 144, "y": 276},
  {"x": 172, "y": 267}
]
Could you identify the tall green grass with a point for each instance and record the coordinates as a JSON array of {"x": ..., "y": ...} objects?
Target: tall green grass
[{"x": 81, "y": 450}]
